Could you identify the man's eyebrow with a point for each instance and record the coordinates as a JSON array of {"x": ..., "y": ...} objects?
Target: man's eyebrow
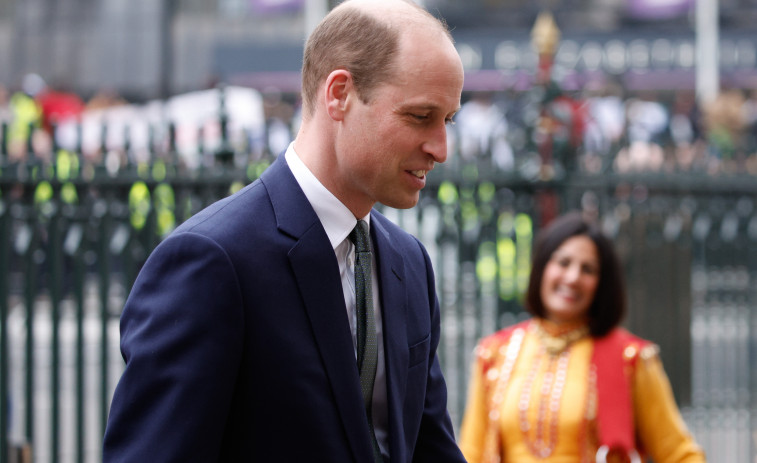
[
  {"x": 423, "y": 106},
  {"x": 427, "y": 106}
]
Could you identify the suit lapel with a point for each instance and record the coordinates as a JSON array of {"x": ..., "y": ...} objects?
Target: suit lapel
[
  {"x": 317, "y": 274},
  {"x": 391, "y": 269}
]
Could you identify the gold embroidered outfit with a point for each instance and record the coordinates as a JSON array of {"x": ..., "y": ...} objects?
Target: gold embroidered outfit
[{"x": 544, "y": 403}]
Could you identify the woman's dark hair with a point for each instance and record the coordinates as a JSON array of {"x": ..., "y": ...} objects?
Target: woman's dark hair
[{"x": 609, "y": 305}]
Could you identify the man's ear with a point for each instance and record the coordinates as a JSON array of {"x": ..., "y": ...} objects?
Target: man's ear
[{"x": 338, "y": 89}]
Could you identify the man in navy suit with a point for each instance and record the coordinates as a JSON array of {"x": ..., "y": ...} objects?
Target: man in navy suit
[{"x": 240, "y": 334}]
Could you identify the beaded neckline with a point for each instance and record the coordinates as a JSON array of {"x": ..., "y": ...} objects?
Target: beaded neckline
[{"x": 553, "y": 343}]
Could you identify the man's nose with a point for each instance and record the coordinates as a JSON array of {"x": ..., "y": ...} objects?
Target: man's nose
[{"x": 436, "y": 144}]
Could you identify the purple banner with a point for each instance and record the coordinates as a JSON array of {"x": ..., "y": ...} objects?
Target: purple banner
[
  {"x": 658, "y": 9},
  {"x": 275, "y": 6}
]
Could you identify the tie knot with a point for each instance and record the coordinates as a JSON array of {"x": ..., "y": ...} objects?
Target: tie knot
[{"x": 360, "y": 238}]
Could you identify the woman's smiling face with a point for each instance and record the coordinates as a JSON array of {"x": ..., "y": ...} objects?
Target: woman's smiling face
[{"x": 570, "y": 280}]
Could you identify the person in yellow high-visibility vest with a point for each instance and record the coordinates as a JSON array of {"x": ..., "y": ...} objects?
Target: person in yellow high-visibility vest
[{"x": 25, "y": 115}]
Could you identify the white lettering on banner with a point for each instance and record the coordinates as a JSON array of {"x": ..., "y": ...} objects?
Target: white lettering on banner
[
  {"x": 507, "y": 56},
  {"x": 470, "y": 55}
]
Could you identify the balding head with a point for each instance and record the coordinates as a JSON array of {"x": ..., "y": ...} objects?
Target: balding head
[{"x": 362, "y": 37}]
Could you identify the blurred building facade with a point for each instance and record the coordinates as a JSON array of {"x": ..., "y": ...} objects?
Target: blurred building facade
[{"x": 147, "y": 49}]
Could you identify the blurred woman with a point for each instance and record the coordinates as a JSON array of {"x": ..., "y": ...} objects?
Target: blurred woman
[{"x": 569, "y": 385}]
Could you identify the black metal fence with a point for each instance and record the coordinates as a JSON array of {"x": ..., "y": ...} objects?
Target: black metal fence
[
  {"x": 688, "y": 247},
  {"x": 74, "y": 238}
]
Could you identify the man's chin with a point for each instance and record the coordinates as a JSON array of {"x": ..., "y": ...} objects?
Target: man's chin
[{"x": 401, "y": 203}]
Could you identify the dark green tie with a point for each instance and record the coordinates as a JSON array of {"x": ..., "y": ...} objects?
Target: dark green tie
[{"x": 367, "y": 346}]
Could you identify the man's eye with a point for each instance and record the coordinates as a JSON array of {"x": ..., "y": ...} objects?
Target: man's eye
[
  {"x": 420, "y": 117},
  {"x": 449, "y": 121}
]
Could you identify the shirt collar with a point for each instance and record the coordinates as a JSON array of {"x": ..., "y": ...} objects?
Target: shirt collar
[{"x": 335, "y": 217}]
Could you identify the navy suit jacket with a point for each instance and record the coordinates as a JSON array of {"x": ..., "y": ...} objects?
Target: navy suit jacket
[{"x": 238, "y": 348}]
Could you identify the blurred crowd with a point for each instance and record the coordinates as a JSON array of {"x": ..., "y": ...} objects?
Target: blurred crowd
[
  {"x": 604, "y": 128},
  {"x": 600, "y": 128},
  {"x": 40, "y": 119}
]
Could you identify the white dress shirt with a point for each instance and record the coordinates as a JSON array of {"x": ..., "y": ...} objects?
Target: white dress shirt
[{"x": 338, "y": 222}]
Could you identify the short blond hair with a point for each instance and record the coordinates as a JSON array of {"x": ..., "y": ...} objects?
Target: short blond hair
[{"x": 351, "y": 38}]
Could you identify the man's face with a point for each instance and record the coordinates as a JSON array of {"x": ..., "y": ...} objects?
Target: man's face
[{"x": 387, "y": 146}]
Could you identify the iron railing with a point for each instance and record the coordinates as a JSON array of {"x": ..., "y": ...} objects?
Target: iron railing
[{"x": 72, "y": 245}]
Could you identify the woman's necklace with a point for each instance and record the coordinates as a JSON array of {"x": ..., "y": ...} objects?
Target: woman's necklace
[
  {"x": 554, "y": 344},
  {"x": 542, "y": 440}
]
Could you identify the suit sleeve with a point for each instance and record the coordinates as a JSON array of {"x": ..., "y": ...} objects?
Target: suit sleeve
[
  {"x": 181, "y": 338},
  {"x": 436, "y": 440},
  {"x": 661, "y": 428}
]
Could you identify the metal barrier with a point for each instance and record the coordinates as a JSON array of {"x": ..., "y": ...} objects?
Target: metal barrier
[
  {"x": 71, "y": 248},
  {"x": 687, "y": 246}
]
